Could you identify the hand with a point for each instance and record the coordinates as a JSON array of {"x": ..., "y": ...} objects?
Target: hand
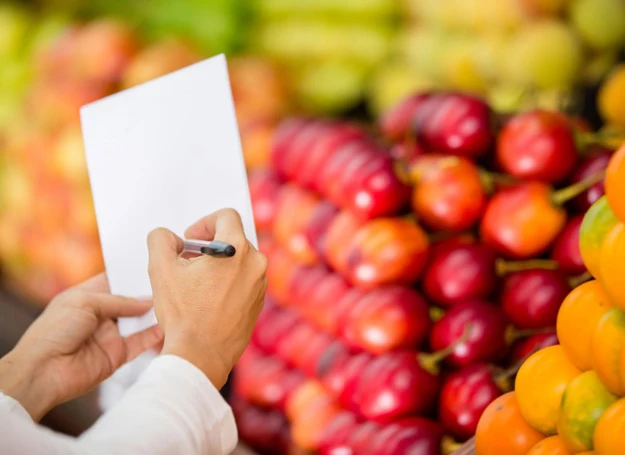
[
  {"x": 207, "y": 306},
  {"x": 73, "y": 346}
]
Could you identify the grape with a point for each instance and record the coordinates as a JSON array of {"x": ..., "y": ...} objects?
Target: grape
[
  {"x": 460, "y": 63},
  {"x": 601, "y": 23},
  {"x": 422, "y": 48},
  {"x": 544, "y": 54}
]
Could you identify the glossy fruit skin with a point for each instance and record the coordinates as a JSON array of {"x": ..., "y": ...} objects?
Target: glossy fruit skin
[
  {"x": 612, "y": 253},
  {"x": 460, "y": 272},
  {"x": 583, "y": 403},
  {"x": 598, "y": 221},
  {"x": 396, "y": 122},
  {"x": 608, "y": 340},
  {"x": 454, "y": 124},
  {"x": 265, "y": 430},
  {"x": 487, "y": 335},
  {"x": 408, "y": 436},
  {"x": 531, "y": 298},
  {"x": 264, "y": 190},
  {"x": 464, "y": 397},
  {"x": 615, "y": 183},
  {"x": 381, "y": 251},
  {"x": 502, "y": 429},
  {"x": 540, "y": 385},
  {"x": 553, "y": 445},
  {"x": 579, "y": 315},
  {"x": 608, "y": 437},
  {"x": 537, "y": 145},
  {"x": 566, "y": 250},
  {"x": 335, "y": 437},
  {"x": 526, "y": 347},
  {"x": 386, "y": 319},
  {"x": 451, "y": 196},
  {"x": 521, "y": 222},
  {"x": 596, "y": 162}
]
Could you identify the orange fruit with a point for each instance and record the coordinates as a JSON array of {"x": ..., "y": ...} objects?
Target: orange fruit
[
  {"x": 611, "y": 95},
  {"x": 611, "y": 262},
  {"x": 305, "y": 396},
  {"x": 606, "y": 347},
  {"x": 579, "y": 315},
  {"x": 308, "y": 427},
  {"x": 540, "y": 384},
  {"x": 553, "y": 445},
  {"x": 597, "y": 222},
  {"x": 502, "y": 429},
  {"x": 610, "y": 430},
  {"x": 584, "y": 402},
  {"x": 615, "y": 183}
]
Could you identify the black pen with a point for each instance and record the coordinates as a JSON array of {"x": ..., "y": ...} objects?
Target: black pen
[{"x": 216, "y": 248}]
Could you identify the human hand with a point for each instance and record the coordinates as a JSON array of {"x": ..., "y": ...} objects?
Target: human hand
[
  {"x": 73, "y": 346},
  {"x": 207, "y": 306}
]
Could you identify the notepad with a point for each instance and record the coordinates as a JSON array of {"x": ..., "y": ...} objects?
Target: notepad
[{"x": 162, "y": 154}]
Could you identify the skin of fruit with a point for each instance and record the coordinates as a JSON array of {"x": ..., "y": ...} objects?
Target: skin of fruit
[
  {"x": 527, "y": 346},
  {"x": 598, "y": 221},
  {"x": 521, "y": 222},
  {"x": 579, "y": 314},
  {"x": 597, "y": 161},
  {"x": 460, "y": 272},
  {"x": 606, "y": 348},
  {"x": 615, "y": 183},
  {"x": 584, "y": 402},
  {"x": 566, "y": 249},
  {"x": 553, "y": 445},
  {"x": 612, "y": 252},
  {"x": 540, "y": 385},
  {"x": 395, "y": 122},
  {"x": 531, "y": 298},
  {"x": 608, "y": 438},
  {"x": 613, "y": 89},
  {"x": 502, "y": 429},
  {"x": 264, "y": 189},
  {"x": 537, "y": 145}
]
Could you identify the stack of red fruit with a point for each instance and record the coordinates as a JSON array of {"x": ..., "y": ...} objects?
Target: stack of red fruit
[{"x": 411, "y": 269}]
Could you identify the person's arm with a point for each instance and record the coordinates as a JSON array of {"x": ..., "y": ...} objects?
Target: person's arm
[{"x": 172, "y": 408}]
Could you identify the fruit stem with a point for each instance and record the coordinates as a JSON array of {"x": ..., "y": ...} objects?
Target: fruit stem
[
  {"x": 513, "y": 334},
  {"x": 436, "y": 313},
  {"x": 560, "y": 197},
  {"x": 492, "y": 179},
  {"x": 430, "y": 362},
  {"x": 584, "y": 139},
  {"x": 504, "y": 267},
  {"x": 575, "y": 281},
  {"x": 449, "y": 446}
]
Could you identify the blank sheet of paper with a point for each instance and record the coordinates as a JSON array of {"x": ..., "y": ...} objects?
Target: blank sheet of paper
[{"x": 164, "y": 153}]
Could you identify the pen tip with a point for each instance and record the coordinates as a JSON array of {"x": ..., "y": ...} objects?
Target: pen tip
[{"x": 229, "y": 251}]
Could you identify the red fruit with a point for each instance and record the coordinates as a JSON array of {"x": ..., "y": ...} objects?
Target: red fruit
[
  {"x": 263, "y": 429},
  {"x": 566, "y": 248},
  {"x": 362, "y": 438},
  {"x": 284, "y": 135},
  {"x": 343, "y": 377},
  {"x": 414, "y": 435},
  {"x": 326, "y": 304},
  {"x": 335, "y": 438},
  {"x": 486, "y": 340},
  {"x": 386, "y": 319},
  {"x": 297, "y": 152},
  {"x": 406, "y": 151},
  {"x": 596, "y": 162},
  {"x": 396, "y": 122},
  {"x": 460, "y": 271},
  {"x": 532, "y": 298},
  {"x": 311, "y": 353},
  {"x": 454, "y": 124},
  {"x": 382, "y": 251},
  {"x": 264, "y": 188},
  {"x": 271, "y": 327},
  {"x": 316, "y": 230},
  {"x": 464, "y": 396},
  {"x": 537, "y": 145},
  {"x": 527, "y": 346},
  {"x": 522, "y": 221},
  {"x": 450, "y": 196},
  {"x": 394, "y": 385}
]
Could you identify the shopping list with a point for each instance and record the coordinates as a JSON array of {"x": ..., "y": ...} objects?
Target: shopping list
[{"x": 162, "y": 154}]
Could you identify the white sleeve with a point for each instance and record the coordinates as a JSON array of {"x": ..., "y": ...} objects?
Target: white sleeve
[{"x": 172, "y": 408}]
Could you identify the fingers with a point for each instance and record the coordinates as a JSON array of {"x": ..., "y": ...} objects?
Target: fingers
[
  {"x": 108, "y": 306},
  {"x": 224, "y": 225},
  {"x": 164, "y": 247},
  {"x": 98, "y": 283},
  {"x": 140, "y": 342}
]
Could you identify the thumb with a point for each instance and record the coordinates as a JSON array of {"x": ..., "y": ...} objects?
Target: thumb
[{"x": 163, "y": 247}]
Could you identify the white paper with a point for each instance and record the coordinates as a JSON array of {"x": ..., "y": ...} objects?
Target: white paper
[{"x": 164, "y": 153}]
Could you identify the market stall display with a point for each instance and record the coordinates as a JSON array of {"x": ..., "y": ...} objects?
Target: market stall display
[
  {"x": 412, "y": 269},
  {"x": 568, "y": 398}
]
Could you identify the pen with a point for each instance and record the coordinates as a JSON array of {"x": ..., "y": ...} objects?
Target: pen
[{"x": 216, "y": 248}]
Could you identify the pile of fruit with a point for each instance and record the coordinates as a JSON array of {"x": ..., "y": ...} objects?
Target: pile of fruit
[
  {"x": 570, "y": 398},
  {"x": 412, "y": 267},
  {"x": 514, "y": 52},
  {"x": 48, "y": 231}
]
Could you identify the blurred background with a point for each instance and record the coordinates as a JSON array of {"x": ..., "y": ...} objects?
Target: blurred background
[{"x": 347, "y": 58}]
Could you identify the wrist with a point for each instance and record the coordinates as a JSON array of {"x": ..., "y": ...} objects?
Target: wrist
[
  {"x": 206, "y": 359},
  {"x": 20, "y": 380}
]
